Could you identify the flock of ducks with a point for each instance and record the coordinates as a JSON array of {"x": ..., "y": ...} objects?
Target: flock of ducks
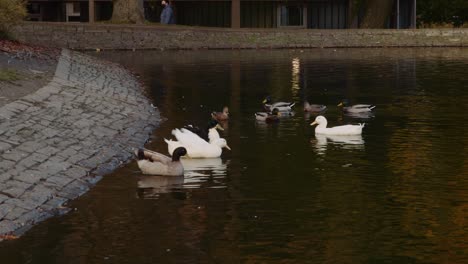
[{"x": 195, "y": 142}]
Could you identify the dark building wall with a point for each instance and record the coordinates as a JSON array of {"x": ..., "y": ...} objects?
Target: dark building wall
[
  {"x": 327, "y": 14},
  {"x": 259, "y": 14},
  {"x": 103, "y": 11},
  {"x": 52, "y": 11},
  {"x": 208, "y": 13},
  {"x": 152, "y": 11},
  {"x": 406, "y": 14}
]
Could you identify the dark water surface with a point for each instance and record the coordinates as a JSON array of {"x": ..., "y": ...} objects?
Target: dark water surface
[{"x": 398, "y": 194}]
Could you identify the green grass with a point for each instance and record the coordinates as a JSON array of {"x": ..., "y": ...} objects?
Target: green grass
[{"x": 7, "y": 75}]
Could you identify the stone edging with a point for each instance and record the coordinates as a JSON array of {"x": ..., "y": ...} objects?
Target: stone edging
[
  {"x": 59, "y": 141},
  {"x": 107, "y": 36}
]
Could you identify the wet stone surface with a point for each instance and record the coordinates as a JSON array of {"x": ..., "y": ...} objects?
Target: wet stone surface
[{"x": 57, "y": 142}]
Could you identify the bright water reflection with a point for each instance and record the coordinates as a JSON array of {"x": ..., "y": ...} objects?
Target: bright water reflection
[
  {"x": 397, "y": 194},
  {"x": 345, "y": 142}
]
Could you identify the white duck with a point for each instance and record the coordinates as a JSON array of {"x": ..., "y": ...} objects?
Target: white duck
[
  {"x": 196, "y": 146},
  {"x": 357, "y": 108},
  {"x": 154, "y": 163},
  {"x": 210, "y": 133},
  {"x": 321, "y": 128},
  {"x": 281, "y": 106}
]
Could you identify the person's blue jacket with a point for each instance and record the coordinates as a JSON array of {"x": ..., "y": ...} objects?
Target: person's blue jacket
[{"x": 167, "y": 15}]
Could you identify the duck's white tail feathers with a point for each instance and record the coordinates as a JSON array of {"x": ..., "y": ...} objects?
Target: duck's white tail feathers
[
  {"x": 362, "y": 124},
  {"x": 371, "y": 107},
  {"x": 291, "y": 105}
]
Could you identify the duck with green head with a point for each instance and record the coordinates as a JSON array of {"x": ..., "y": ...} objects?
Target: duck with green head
[
  {"x": 281, "y": 106},
  {"x": 357, "y": 108},
  {"x": 154, "y": 163}
]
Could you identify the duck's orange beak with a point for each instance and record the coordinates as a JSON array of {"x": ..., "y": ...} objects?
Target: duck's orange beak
[{"x": 313, "y": 123}]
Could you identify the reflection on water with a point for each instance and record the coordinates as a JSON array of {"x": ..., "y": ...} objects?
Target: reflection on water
[
  {"x": 363, "y": 115},
  {"x": 354, "y": 142},
  {"x": 398, "y": 194},
  {"x": 149, "y": 187}
]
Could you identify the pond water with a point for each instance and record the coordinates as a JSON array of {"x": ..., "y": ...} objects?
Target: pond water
[{"x": 397, "y": 194}]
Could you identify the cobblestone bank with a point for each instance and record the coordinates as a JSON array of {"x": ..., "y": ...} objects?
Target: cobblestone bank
[
  {"x": 57, "y": 142},
  {"x": 107, "y": 36}
]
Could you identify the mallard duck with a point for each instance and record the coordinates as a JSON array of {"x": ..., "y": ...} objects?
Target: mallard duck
[
  {"x": 357, "y": 108},
  {"x": 210, "y": 133},
  {"x": 154, "y": 163},
  {"x": 313, "y": 107},
  {"x": 221, "y": 116},
  {"x": 195, "y": 145},
  {"x": 281, "y": 106},
  {"x": 321, "y": 128},
  {"x": 267, "y": 117}
]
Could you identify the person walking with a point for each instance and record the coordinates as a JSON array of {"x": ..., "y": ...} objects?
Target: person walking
[{"x": 167, "y": 14}]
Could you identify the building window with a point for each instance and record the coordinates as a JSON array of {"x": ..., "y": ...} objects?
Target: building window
[
  {"x": 34, "y": 8},
  {"x": 291, "y": 16},
  {"x": 76, "y": 8},
  {"x": 34, "y": 12}
]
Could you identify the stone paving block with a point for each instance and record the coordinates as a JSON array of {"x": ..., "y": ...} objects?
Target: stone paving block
[
  {"x": 58, "y": 181},
  {"x": 15, "y": 155},
  {"x": 7, "y": 175},
  {"x": 4, "y": 146},
  {"x": 38, "y": 157},
  {"x": 76, "y": 158},
  {"x": 5, "y": 209},
  {"x": 27, "y": 162},
  {"x": 49, "y": 151},
  {"x": 3, "y": 198},
  {"x": 76, "y": 172},
  {"x": 37, "y": 196},
  {"x": 29, "y": 176},
  {"x": 53, "y": 166},
  {"x": 53, "y": 203},
  {"x": 7, "y": 226},
  {"x": 15, "y": 213},
  {"x": 31, "y": 146},
  {"x": 74, "y": 189},
  {"x": 6, "y": 165},
  {"x": 32, "y": 217},
  {"x": 67, "y": 153}
]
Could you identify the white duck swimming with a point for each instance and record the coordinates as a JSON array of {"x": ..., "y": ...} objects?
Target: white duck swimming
[
  {"x": 281, "y": 106},
  {"x": 357, "y": 108},
  {"x": 321, "y": 128},
  {"x": 195, "y": 145},
  {"x": 154, "y": 163}
]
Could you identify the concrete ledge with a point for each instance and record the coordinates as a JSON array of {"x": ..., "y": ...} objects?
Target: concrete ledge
[
  {"x": 107, "y": 36},
  {"x": 59, "y": 141}
]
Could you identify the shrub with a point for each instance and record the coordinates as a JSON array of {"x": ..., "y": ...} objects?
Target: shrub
[{"x": 11, "y": 12}]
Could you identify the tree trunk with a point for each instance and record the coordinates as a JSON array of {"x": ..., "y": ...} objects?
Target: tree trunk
[
  {"x": 128, "y": 11},
  {"x": 377, "y": 13}
]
